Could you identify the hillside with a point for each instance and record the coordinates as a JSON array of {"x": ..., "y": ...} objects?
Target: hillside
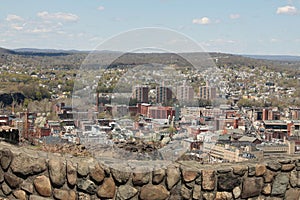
[{"x": 72, "y": 59}]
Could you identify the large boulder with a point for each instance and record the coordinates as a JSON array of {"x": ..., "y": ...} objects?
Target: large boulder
[
  {"x": 228, "y": 181},
  {"x": 120, "y": 176},
  {"x": 126, "y": 192},
  {"x": 158, "y": 176},
  {"x": 173, "y": 176},
  {"x": 26, "y": 165},
  {"x": 64, "y": 194},
  {"x": 12, "y": 180},
  {"x": 252, "y": 187},
  {"x": 20, "y": 194},
  {"x": 87, "y": 186},
  {"x": 71, "y": 173},
  {"x": 189, "y": 175},
  {"x": 97, "y": 173},
  {"x": 280, "y": 184},
  {"x": 154, "y": 192},
  {"x": 107, "y": 190},
  {"x": 140, "y": 178},
  {"x": 208, "y": 179},
  {"x": 57, "y": 172},
  {"x": 43, "y": 186},
  {"x": 6, "y": 158}
]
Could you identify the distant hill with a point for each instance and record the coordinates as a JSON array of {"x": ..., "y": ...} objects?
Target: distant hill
[
  {"x": 34, "y": 50},
  {"x": 275, "y": 57},
  {"x": 71, "y": 59},
  {"x": 6, "y": 51}
]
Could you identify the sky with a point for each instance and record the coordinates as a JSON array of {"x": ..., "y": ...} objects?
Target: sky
[{"x": 268, "y": 27}]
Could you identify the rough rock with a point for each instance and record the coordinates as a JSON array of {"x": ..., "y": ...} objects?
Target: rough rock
[
  {"x": 6, "y": 189},
  {"x": 126, "y": 192},
  {"x": 43, "y": 186},
  {"x": 295, "y": 179},
  {"x": 189, "y": 175},
  {"x": 154, "y": 192},
  {"x": 20, "y": 194},
  {"x": 6, "y": 158},
  {"x": 190, "y": 185},
  {"x": 64, "y": 194},
  {"x": 287, "y": 167},
  {"x": 198, "y": 180},
  {"x": 224, "y": 170},
  {"x": 274, "y": 166},
  {"x": 173, "y": 176},
  {"x": 57, "y": 172},
  {"x": 83, "y": 196},
  {"x": 236, "y": 192},
  {"x": 260, "y": 169},
  {"x": 208, "y": 179},
  {"x": 208, "y": 196},
  {"x": 83, "y": 169},
  {"x": 292, "y": 194},
  {"x": 1, "y": 175},
  {"x": 185, "y": 192},
  {"x": 228, "y": 181},
  {"x": 26, "y": 165},
  {"x": 140, "y": 178},
  {"x": 120, "y": 176},
  {"x": 12, "y": 180},
  {"x": 266, "y": 189},
  {"x": 251, "y": 170},
  {"x": 27, "y": 186},
  {"x": 87, "y": 186},
  {"x": 158, "y": 176},
  {"x": 196, "y": 192},
  {"x": 175, "y": 192},
  {"x": 269, "y": 176},
  {"x": 252, "y": 187},
  {"x": 71, "y": 173},
  {"x": 285, "y": 161},
  {"x": 280, "y": 184},
  {"x": 240, "y": 169},
  {"x": 97, "y": 173},
  {"x": 35, "y": 197},
  {"x": 223, "y": 196},
  {"x": 107, "y": 190}
]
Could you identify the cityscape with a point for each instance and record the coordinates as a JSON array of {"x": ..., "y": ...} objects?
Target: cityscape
[
  {"x": 228, "y": 114},
  {"x": 149, "y": 100}
]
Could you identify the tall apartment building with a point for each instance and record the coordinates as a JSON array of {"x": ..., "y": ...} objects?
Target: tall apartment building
[
  {"x": 185, "y": 93},
  {"x": 140, "y": 93},
  {"x": 207, "y": 92},
  {"x": 163, "y": 94}
]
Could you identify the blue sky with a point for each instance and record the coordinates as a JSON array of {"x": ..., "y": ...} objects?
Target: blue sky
[{"x": 232, "y": 26}]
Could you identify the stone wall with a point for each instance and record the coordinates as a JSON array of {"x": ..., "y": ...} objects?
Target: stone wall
[{"x": 26, "y": 174}]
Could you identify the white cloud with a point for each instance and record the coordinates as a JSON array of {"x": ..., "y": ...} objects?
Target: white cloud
[
  {"x": 101, "y": 8},
  {"x": 17, "y": 27},
  {"x": 234, "y": 16},
  {"x": 203, "y": 21},
  {"x": 67, "y": 17},
  {"x": 14, "y": 18},
  {"x": 274, "y": 40},
  {"x": 40, "y": 30},
  {"x": 222, "y": 41},
  {"x": 289, "y": 10}
]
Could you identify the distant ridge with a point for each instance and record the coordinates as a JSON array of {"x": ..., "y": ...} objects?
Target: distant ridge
[
  {"x": 275, "y": 57},
  {"x": 6, "y": 51},
  {"x": 35, "y": 50},
  {"x": 239, "y": 58}
]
